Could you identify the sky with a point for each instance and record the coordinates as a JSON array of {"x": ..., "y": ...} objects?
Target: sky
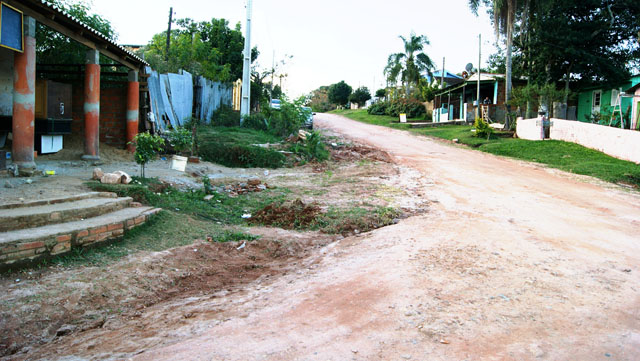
[{"x": 330, "y": 40}]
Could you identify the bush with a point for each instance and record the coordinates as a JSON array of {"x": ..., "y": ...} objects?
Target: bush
[
  {"x": 379, "y": 108},
  {"x": 180, "y": 139},
  {"x": 286, "y": 120},
  {"x": 312, "y": 149},
  {"x": 256, "y": 121},
  {"x": 225, "y": 116},
  {"x": 241, "y": 155},
  {"x": 147, "y": 147},
  {"x": 413, "y": 108},
  {"x": 482, "y": 128}
]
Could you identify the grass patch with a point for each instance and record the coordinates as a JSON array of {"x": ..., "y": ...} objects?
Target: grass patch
[
  {"x": 164, "y": 231},
  {"x": 566, "y": 156},
  {"x": 235, "y": 147}
]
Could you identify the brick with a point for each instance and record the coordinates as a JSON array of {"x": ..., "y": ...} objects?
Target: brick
[
  {"x": 140, "y": 219},
  {"x": 98, "y": 230},
  {"x": 61, "y": 248},
  {"x": 63, "y": 238},
  {"x": 55, "y": 216},
  {"x": 113, "y": 226},
  {"x": 22, "y": 254},
  {"x": 83, "y": 233},
  {"x": 31, "y": 245},
  {"x": 118, "y": 232}
]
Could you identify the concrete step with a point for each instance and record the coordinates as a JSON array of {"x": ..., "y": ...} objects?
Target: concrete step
[
  {"x": 41, "y": 213},
  {"x": 76, "y": 197},
  {"x": 45, "y": 241}
]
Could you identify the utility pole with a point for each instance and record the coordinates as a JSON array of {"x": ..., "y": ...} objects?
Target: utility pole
[
  {"x": 479, "y": 62},
  {"x": 166, "y": 54},
  {"x": 273, "y": 70},
  {"x": 245, "y": 105}
]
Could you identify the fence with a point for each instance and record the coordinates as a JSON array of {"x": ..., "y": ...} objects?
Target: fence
[{"x": 174, "y": 99}]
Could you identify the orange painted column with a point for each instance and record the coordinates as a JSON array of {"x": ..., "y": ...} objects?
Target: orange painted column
[
  {"x": 133, "y": 108},
  {"x": 24, "y": 100},
  {"x": 92, "y": 106}
]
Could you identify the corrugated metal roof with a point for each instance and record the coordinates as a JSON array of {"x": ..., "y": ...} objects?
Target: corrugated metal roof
[{"x": 93, "y": 31}]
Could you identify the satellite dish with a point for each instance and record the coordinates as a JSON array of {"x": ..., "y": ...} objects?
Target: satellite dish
[{"x": 469, "y": 67}]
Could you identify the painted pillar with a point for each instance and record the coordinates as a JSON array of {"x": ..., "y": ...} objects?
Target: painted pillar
[
  {"x": 133, "y": 108},
  {"x": 495, "y": 92},
  {"x": 92, "y": 106},
  {"x": 24, "y": 100}
]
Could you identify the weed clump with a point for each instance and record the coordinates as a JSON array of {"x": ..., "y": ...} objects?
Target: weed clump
[{"x": 293, "y": 215}]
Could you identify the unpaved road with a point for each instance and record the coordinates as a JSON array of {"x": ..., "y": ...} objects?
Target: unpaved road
[{"x": 512, "y": 262}]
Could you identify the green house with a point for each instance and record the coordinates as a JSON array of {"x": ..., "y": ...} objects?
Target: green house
[{"x": 601, "y": 100}]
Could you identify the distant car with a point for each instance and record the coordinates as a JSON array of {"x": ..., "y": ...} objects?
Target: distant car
[
  {"x": 308, "y": 112},
  {"x": 275, "y": 103}
]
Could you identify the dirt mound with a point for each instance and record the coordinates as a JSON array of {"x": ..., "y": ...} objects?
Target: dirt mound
[
  {"x": 89, "y": 297},
  {"x": 356, "y": 152},
  {"x": 74, "y": 149},
  {"x": 291, "y": 215}
]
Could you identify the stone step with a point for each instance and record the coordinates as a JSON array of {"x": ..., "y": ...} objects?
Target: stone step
[
  {"x": 76, "y": 197},
  {"x": 37, "y": 214},
  {"x": 45, "y": 241}
]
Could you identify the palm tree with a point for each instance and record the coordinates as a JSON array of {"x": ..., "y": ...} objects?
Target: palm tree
[
  {"x": 504, "y": 19},
  {"x": 411, "y": 64}
]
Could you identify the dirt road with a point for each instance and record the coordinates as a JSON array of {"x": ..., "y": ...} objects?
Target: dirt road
[{"x": 513, "y": 262}]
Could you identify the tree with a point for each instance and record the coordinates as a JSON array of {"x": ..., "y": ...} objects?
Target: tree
[
  {"x": 504, "y": 14},
  {"x": 55, "y": 48},
  {"x": 339, "y": 93},
  {"x": 208, "y": 48},
  {"x": 360, "y": 96},
  {"x": 319, "y": 99},
  {"x": 411, "y": 64},
  {"x": 381, "y": 93}
]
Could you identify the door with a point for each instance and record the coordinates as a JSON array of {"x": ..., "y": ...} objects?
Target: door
[{"x": 596, "y": 101}]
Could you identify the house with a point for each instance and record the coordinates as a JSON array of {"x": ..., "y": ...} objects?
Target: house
[
  {"x": 105, "y": 98},
  {"x": 633, "y": 94},
  {"x": 449, "y": 78},
  {"x": 459, "y": 101},
  {"x": 596, "y": 100}
]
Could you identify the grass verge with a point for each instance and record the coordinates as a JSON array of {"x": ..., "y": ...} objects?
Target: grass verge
[{"x": 566, "y": 156}]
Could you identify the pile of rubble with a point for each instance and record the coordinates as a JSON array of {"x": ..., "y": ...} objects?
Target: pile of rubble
[
  {"x": 118, "y": 177},
  {"x": 252, "y": 185}
]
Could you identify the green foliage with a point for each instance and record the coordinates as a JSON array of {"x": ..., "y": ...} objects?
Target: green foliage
[
  {"x": 483, "y": 130},
  {"x": 180, "y": 139},
  {"x": 147, "y": 147},
  {"x": 55, "y": 48},
  {"x": 535, "y": 95},
  {"x": 319, "y": 100},
  {"x": 360, "y": 96},
  {"x": 381, "y": 93},
  {"x": 208, "y": 48},
  {"x": 312, "y": 149},
  {"x": 379, "y": 108},
  {"x": 410, "y": 64},
  {"x": 225, "y": 116},
  {"x": 288, "y": 119},
  {"x": 256, "y": 121},
  {"x": 206, "y": 185},
  {"x": 339, "y": 93},
  {"x": 413, "y": 108},
  {"x": 235, "y": 147}
]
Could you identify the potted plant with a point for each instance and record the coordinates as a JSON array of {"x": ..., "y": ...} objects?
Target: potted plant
[{"x": 181, "y": 140}]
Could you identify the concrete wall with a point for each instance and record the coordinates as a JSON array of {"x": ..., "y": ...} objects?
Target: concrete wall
[
  {"x": 6, "y": 82},
  {"x": 530, "y": 129},
  {"x": 616, "y": 142}
]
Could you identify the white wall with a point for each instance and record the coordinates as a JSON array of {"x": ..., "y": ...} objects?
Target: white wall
[
  {"x": 616, "y": 142},
  {"x": 530, "y": 129},
  {"x": 6, "y": 81}
]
